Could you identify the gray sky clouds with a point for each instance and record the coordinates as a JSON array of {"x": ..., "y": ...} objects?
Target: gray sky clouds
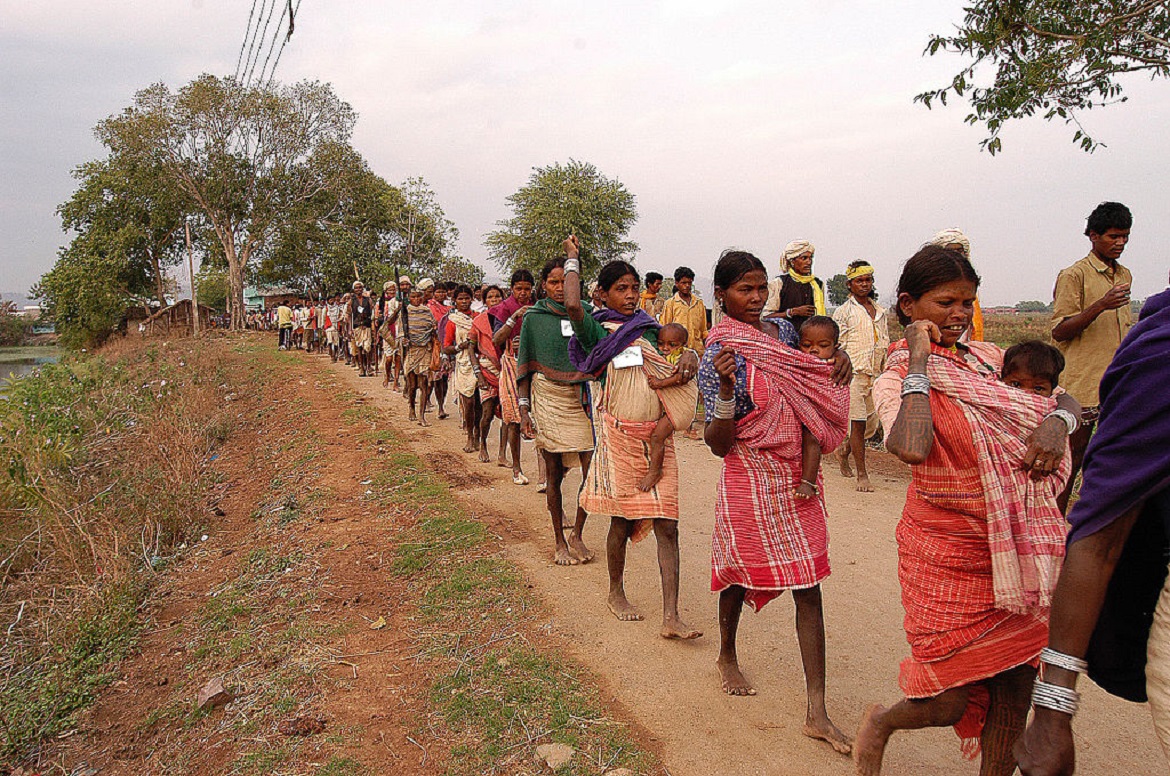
[{"x": 734, "y": 123}]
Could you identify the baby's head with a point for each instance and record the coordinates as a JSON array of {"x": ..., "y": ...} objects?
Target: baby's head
[
  {"x": 1033, "y": 366},
  {"x": 671, "y": 337},
  {"x": 818, "y": 337}
]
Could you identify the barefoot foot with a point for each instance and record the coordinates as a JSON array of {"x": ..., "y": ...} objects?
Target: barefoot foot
[
  {"x": 846, "y": 469},
  {"x": 871, "y": 742},
  {"x": 564, "y": 558},
  {"x": 825, "y": 730},
  {"x": 863, "y": 484},
  {"x": 623, "y": 609},
  {"x": 674, "y": 628},
  {"x": 484, "y": 457},
  {"x": 467, "y": 448},
  {"x": 734, "y": 682},
  {"x": 578, "y": 549}
]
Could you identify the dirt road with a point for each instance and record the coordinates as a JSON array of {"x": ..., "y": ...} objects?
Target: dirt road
[{"x": 672, "y": 688}]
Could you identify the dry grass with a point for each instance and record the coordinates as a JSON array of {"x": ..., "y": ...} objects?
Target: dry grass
[{"x": 105, "y": 474}]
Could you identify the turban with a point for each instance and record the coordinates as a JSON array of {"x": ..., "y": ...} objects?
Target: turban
[
  {"x": 425, "y": 283},
  {"x": 405, "y": 279},
  {"x": 797, "y": 248},
  {"x": 857, "y": 272},
  {"x": 357, "y": 284},
  {"x": 953, "y": 236},
  {"x": 389, "y": 284}
]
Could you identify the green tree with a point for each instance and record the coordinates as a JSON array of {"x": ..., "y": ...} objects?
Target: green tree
[
  {"x": 248, "y": 156},
  {"x": 1033, "y": 306},
  {"x": 88, "y": 291},
  {"x": 211, "y": 283},
  {"x": 562, "y": 199},
  {"x": 838, "y": 290},
  {"x": 1052, "y": 57},
  {"x": 425, "y": 237},
  {"x": 135, "y": 213}
]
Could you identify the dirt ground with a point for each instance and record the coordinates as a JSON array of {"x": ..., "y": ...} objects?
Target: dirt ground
[
  {"x": 366, "y": 684},
  {"x": 672, "y": 687}
]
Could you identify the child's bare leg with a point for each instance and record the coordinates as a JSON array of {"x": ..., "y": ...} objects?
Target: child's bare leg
[
  {"x": 662, "y": 432},
  {"x": 810, "y": 464}
]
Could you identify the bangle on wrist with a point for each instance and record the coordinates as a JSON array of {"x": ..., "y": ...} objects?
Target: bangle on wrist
[
  {"x": 572, "y": 264},
  {"x": 915, "y": 383},
  {"x": 1069, "y": 419},
  {"x": 1051, "y": 657},
  {"x": 1055, "y": 697},
  {"x": 523, "y": 402},
  {"x": 812, "y": 485}
]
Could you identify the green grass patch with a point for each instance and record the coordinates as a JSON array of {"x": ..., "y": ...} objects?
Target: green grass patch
[
  {"x": 39, "y": 701},
  {"x": 497, "y": 693},
  {"x": 343, "y": 766}
]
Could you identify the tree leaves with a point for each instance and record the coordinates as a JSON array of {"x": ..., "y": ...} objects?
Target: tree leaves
[
  {"x": 1058, "y": 57},
  {"x": 560, "y": 200}
]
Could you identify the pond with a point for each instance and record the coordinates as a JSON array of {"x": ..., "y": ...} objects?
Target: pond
[{"x": 18, "y": 362}]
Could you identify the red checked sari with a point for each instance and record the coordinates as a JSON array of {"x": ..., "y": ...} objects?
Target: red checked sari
[
  {"x": 979, "y": 543},
  {"x": 765, "y": 539}
]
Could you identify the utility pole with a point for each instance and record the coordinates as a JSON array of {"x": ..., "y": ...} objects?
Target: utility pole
[{"x": 191, "y": 270}]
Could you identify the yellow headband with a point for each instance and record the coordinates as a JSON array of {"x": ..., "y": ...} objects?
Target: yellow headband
[{"x": 856, "y": 272}]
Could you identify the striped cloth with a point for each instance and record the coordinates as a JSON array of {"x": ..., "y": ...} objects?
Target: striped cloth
[
  {"x": 979, "y": 544},
  {"x": 509, "y": 394},
  {"x": 765, "y": 539}
]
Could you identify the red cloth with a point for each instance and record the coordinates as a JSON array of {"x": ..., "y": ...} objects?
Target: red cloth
[
  {"x": 957, "y": 633},
  {"x": 765, "y": 539}
]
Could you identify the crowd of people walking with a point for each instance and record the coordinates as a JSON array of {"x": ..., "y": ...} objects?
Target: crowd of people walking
[{"x": 603, "y": 376}]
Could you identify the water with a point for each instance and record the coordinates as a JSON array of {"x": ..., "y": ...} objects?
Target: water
[{"x": 18, "y": 362}]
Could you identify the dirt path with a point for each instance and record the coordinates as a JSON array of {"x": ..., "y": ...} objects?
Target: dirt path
[{"x": 672, "y": 688}]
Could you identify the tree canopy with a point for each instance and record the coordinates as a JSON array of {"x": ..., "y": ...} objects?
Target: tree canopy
[
  {"x": 559, "y": 200},
  {"x": 1051, "y": 57},
  {"x": 249, "y": 157}
]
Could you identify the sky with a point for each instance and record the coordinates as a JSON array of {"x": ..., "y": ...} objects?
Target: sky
[{"x": 734, "y": 124}]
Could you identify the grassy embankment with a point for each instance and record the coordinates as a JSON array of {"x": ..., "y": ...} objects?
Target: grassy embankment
[
  {"x": 109, "y": 476},
  {"x": 103, "y": 457}
]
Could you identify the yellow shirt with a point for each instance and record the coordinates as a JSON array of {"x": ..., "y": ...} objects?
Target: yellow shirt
[
  {"x": 693, "y": 318},
  {"x": 1088, "y": 354},
  {"x": 284, "y": 316}
]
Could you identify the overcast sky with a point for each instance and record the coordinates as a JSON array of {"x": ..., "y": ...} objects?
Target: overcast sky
[{"x": 742, "y": 124}]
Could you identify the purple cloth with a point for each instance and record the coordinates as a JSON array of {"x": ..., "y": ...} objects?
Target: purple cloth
[
  {"x": 1126, "y": 462},
  {"x": 597, "y": 359}
]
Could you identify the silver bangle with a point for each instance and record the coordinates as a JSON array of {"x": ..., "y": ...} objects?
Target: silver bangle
[
  {"x": 523, "y": 402},
  {"x": 724, "y": 409},
  {"x": 1060, "y": 660},
  {"x": 915, "y": 383},
  {"x": 572, "y": 264},
  {"x": 1055, "y": 697},
  {"x": 1069, "y": 419},
  {"x": 812, "y": 485}
]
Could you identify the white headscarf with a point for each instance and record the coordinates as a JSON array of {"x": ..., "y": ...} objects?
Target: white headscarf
[
  {"x": 794, "y": 249},
  {"x": 953, "y": 236}
]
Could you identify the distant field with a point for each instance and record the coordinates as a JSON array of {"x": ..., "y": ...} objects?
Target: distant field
[
  {"x": 1008, "y": 330},
  {"x": 1003, "y": 330}
]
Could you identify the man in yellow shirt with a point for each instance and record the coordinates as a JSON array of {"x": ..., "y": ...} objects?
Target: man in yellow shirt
[
  {"x": 1090, "y": 317},
  {"x": 284, "y": 325},
  {"x": 687, "y": 309}
]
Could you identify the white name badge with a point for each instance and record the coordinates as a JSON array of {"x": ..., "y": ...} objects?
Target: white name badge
[
  {"x": 566, "y": 327},
  {"x": 361, "y": 309},
  {"x": 631, "y": 356}
]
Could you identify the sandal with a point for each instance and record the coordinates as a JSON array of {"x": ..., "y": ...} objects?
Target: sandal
[{"x": 519, "y": 478}]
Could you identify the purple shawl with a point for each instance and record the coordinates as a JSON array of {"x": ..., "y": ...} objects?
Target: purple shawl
[
  {"x": 1122, "y": 464},
  {"x": 597, "y": 359}
]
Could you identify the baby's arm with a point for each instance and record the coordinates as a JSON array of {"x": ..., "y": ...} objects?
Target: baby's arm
[
  {"x": 662, "y": 432},
  {"x": 810, "y": 464},
  {"x": 671, "y": 380}
]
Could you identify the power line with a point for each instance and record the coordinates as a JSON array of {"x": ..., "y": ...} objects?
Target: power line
[
  {"x": 272, "y": 46},
  {"x": 247, "y": 36},
  {"x": 292, "y": 15},
  {"x": 263, "y": 35}
]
